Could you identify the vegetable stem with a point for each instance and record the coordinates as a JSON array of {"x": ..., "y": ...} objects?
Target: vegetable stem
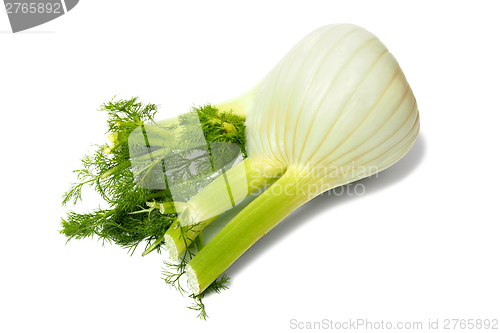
[
  {"x": 153, "y": 246},
  {"x": 242, "y": 103},
  {"x": 258, "y": 218}
]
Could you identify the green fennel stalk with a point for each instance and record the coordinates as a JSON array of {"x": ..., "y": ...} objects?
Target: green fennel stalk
[{"x": 254, "y": 221}]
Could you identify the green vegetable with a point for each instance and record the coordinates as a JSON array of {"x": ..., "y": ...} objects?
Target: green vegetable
[{"x": 335, "y": 109}]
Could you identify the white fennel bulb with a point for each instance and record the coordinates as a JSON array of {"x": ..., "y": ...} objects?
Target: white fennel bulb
[{"x": 338, "y": 100}]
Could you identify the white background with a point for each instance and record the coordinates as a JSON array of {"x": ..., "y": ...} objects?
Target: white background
[{"x": 422, "y": 243}]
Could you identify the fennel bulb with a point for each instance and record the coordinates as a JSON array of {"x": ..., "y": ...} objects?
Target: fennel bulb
[{"x": 335, "y": 109}]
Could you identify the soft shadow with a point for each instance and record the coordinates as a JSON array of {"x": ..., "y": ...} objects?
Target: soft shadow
[
  {"x": 328, "y": 201},
  {"x": 26, "y": 32}
]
